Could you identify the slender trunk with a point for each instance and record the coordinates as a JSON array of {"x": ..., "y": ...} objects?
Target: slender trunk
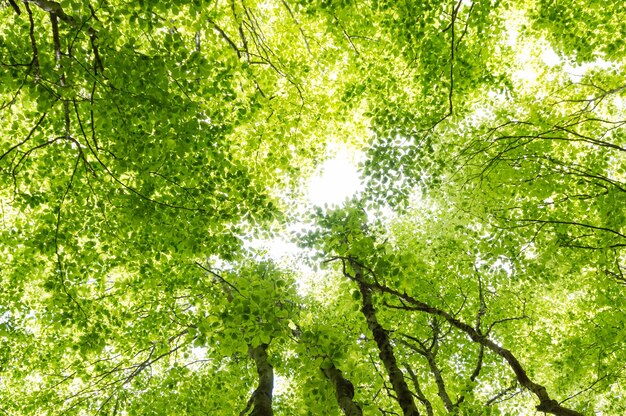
[
  {"x": 418, "y": 391},
  {"x": 344, "y": 391},
  {"x": 381, "y": 336},
  {"x": 262, "y": 396},
  {"x": 441, "y": 385},
  {"x": 261, "y": 399}
]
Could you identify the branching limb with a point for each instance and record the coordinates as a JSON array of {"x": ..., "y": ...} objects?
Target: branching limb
[
  {"x": 57, "y": 249},
  {"x": 592, "y": 385},
  {"x": 30, "y": 134},
  {"x": 304, "y": 36},
  {"x": 55, "y": 8},
  {"x": 498, "y": 397},
  {"x": 135, "y": 191},
  {"x": 418, "y": 390},
  {"x": 430, "y": 353},
  {"x": 573, "y": 223},
  {"x": 546, "y": 403},
  {"x": 619, "y": 274},
  {"x": 57, "y": 56},
  {"x": 450, "y": 26},
  {"x": 15, "y": 6},
  {"x": 385, "y": 347},
  {"x": 479, "y": 363},
  {"x": 469, "y": 14},
  {"x": 225, "y": 37},
  {"x": 481, "y": 298},
  {"x": 242, "y": 35},
  {"x": 221, "y": 279},
  {"x": 33, "y": 43}
]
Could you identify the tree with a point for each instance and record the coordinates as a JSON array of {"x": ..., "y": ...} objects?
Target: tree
[{"x": 145, "y": 147}]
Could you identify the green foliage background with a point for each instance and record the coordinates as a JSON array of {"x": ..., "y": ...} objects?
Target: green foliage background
[{"x": 144, "y": 147}]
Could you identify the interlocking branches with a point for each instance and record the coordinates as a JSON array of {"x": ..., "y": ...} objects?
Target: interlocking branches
[
  {"x": 590, "y": 102},
  {"x": 506, "y": 394},
  {"x": 430, "y": 353},
  {"x": 547, "y": 404},
  {"x": 253, "y": 44},
  {"x": 27, "y": 138},
  {"x": 111, "y": 381},
  {"x": 527, "y": 221},
  {"x": 55, "y": 9},
  {"x": 498, "y": 141},
  {"x": 225, "y": 37}
]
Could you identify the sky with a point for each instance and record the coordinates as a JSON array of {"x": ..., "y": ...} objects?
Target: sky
[{"x": 336, "y": 179}]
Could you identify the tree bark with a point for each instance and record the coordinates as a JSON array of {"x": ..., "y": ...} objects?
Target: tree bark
[
  {"x": 386, "y": 354},
  {"x": 344, "y": 391},
  {"x": 262, "y": 396}
]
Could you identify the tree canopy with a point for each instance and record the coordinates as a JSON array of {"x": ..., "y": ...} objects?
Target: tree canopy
[{"x": 146, "y": 148}]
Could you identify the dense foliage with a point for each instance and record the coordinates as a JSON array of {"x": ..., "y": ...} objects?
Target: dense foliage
[{"x": 146, "y": 148}]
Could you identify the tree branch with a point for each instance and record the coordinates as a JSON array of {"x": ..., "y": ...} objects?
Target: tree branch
[
  {"x": 57, "y": 56},
  {"x": 225, "y": 37},
  {"x": 546, "y": 403},
  {"x": 33, "y": 43},
  {"x": 418, "y": 391},
  {"x": 55, "y": 8},
  {"x": 434, "y": 369}
]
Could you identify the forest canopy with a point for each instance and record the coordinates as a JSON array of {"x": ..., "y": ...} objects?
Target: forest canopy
[{"x": 153, "y": 153}]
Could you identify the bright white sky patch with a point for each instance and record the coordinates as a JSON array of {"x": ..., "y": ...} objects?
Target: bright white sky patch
[
  {"x": 549, "y": 57},
  {"x": 336, "y": 179},
  {"x": 576, "y": 72}
]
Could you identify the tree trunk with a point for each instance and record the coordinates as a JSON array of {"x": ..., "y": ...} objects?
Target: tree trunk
[
  {"x": 262, "y": 396},
  {"x": 381, "y": 336},
  {"x": 344, "y": 391}
]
